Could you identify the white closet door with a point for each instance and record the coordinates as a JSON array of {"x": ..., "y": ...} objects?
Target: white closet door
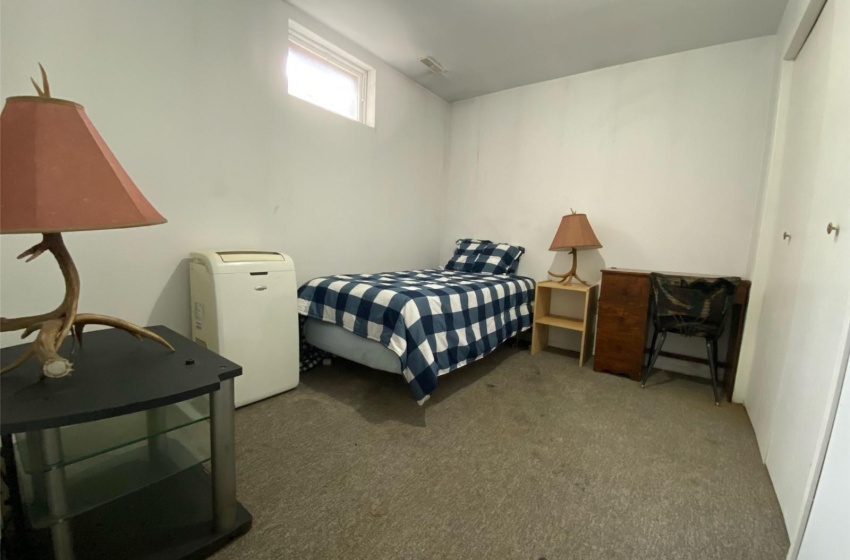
[
  {"x": 784, "y": 280},
  {"x": 827, "y": 537},
  {"x": 816, "y": 179},
  {"x": 806, "y": 116}
]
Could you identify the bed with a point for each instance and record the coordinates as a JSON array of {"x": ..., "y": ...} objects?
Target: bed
[{"x": 420, "y": 323}]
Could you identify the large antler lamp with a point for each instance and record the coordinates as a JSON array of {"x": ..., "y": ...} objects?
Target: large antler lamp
[
  {"x": 573, "y": 233},
  {"x": 56, "y": 175}
]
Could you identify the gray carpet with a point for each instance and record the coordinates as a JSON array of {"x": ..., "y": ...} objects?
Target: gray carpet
[{"x": 514, "y": 457}]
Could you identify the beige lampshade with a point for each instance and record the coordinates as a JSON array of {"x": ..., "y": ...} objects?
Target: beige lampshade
[
  {"x": 57, "y": 173},
  {"x": 574, "y": 233}
]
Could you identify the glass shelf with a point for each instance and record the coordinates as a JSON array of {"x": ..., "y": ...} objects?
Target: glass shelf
[
  {"x": 109, "y": 475},
  {"x": 84, "y": 441}
]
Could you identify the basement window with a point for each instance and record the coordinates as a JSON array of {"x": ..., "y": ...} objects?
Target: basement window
[{"x": 325, "y": 75}]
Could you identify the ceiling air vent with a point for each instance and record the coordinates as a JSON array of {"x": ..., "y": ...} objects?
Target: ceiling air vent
[{"x": 432, "y": 65}]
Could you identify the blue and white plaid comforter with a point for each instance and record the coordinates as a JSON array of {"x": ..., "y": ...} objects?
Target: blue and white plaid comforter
[{"x": 434, "y": 320}]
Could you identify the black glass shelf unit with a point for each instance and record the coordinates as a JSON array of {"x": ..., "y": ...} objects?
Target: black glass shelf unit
[{"x": 129, "y": 457}]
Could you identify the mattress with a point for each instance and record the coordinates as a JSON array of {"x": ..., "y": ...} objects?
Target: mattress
[{"x": 345, "y": 344}]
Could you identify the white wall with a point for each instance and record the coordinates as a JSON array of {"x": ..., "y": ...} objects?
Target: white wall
[
  {"x": 664, "y": 155},
  {"x": 191, "y": 97}
]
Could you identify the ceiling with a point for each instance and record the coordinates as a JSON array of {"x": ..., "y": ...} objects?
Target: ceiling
[{"x": 492, "y": 45}]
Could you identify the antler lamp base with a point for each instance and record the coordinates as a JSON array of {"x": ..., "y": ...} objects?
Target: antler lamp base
[
  {"x": 567, "y": 278},
  {"x": 54, "y": 327}
]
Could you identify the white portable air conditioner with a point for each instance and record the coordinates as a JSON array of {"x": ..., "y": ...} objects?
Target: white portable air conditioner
[{"x": 244, "y": 307}]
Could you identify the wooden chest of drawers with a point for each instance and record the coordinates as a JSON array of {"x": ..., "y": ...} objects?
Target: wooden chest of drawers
[{"x": 622, "y": 322}]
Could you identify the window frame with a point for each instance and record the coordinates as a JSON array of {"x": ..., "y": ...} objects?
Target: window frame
[{"x": 311, "y": 45}]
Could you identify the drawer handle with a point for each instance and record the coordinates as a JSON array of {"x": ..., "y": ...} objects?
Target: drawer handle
[{"x": 260, "y": 288}]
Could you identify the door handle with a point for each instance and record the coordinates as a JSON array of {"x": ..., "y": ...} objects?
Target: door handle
[
  {"x": 831, "y": 228},
  {"x": 785, "y": 235}
]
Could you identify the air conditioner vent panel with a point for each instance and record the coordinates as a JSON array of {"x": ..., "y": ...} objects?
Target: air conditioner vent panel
[{"x": 432, "y": 65}]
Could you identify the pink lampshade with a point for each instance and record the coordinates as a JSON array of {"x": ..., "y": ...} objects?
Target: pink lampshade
[
  {"x": 574, "y": 232},
  {"x": 57, "y": 173}
]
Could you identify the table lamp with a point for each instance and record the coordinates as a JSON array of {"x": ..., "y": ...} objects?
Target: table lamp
[
  {"x": 56, "y": 175},
  {"x": 573, "y": 233}
]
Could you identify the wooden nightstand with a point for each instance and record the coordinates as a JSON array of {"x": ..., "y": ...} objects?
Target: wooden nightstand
[{"x": 543, "y": 318}]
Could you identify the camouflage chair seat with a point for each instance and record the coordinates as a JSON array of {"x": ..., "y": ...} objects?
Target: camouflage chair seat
[{"x": 691, "y": 306}]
